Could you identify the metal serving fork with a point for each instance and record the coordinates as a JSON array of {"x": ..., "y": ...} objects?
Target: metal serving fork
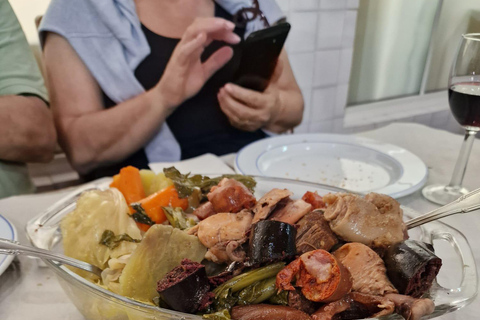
[
  {"x": 464, "y": 204},
  {"x": 15, "y": 248}
]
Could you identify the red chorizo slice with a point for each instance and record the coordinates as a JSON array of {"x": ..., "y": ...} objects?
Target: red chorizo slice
[{"x": 320, "y": 276}]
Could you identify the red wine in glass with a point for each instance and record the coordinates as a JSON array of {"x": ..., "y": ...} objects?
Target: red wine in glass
[{"x": 464, "y": 100}]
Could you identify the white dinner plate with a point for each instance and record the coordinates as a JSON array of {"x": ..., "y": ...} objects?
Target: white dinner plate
[
  {"x": 353, "y": 163},
  {"x": 7, "y": 231}
]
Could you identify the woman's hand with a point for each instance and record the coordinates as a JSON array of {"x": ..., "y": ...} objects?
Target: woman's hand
[
  {"x": 277, "y": 109},
  {"x": 251, "y": 110},
  {"x": 185, "y": 74}
]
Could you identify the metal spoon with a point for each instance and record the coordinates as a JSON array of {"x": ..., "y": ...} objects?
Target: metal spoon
[
  {"x": 464, "y": 204},
  {"x": 15, "y": 248}
]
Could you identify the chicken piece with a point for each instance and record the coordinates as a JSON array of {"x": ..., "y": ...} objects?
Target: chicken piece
[
  {"x": 267, "y": 312},
  {"x": 314, "y": 199},
  {"x": 268, "y": 202},
  {"x": 230, "y": 196},
  {"x": 314, "y": 233},
  {"x": 320, "y": 276},
  {"x": 228, "y": 251},
  {"x": 411, "y": 308},
  {"x": 292, "y": 211},
  {"x": 204, "y": 211},
  {"x": 368, "y": 271},
  {"x": 355, "y": 306},
  {"x": 220, "y": 232},
  {"x": 357, "y": 219}
]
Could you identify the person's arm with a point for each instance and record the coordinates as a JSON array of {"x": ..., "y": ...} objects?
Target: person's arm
[
  {"x": 277, "y": 109},
  {"x": 27, "y": 133},
  {"x": 91, "y": 135}
]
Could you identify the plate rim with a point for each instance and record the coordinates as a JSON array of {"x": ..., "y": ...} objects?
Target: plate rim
[
  {"x": 7, "y": 260},
  {"x": 367, "y": 143}
]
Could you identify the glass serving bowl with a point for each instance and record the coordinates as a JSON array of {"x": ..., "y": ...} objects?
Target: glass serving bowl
[{"x": 95, "y": 302}]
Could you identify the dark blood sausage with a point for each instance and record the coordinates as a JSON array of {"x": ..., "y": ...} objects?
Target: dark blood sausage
[
  {"x": 314, "y": 233},
  {"x": 186, "y": 287},
  {"x": 230, "y": 196},
  {"x": 355, "y": 306},
  {"x": 271, "y": 241},
  {"x": 298, "y": 301},
  {"x": 267, "y": 312},
  {"x": 412, "y": 266},
  {"x": 314, "y": 199}
]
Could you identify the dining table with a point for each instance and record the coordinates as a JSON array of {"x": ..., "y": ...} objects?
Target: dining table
[{"x": 29, "y": 290}]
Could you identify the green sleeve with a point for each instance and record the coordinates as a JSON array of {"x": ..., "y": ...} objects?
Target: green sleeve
[{"x": 19, "y": 72}]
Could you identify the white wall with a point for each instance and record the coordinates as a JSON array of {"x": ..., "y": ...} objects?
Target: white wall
[
  {"x": 320, "y": 48},
  {"x": 27, "y": 11}
]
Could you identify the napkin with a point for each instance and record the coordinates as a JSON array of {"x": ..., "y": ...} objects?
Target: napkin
[{"x": 204, "y": 164}]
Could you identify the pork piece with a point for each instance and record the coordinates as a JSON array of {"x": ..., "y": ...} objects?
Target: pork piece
[
  {"x": 298, "y": 301},
  {"x": 356, "y": 219},
  {"x": 268, "y": 202},
  {"x": 223, "y": 234},
  {"x": 230, "y": 196},
  {"x": 314, "y": 233},
  {"x": 204, "y": 211},
  {"x": 319, "y": 275},
  {"x": 267, "y": 312},
  {"x": 368, "y": 271},
  {"x": 314, "y": 199},
  {"x": 411, "y": 308},
  {"x": 292, "y": 211},
  {"x": 355, "y": 306}
]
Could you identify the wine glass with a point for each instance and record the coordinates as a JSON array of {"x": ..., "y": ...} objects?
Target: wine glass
[{"x": 464, "y": 100}]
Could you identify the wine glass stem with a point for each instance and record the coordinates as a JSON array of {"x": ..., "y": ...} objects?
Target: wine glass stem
[{"x": 461, "y": 165}]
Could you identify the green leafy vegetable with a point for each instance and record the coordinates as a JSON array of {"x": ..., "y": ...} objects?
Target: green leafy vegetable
[
  {"x": 257, "y": 292},
  {"x": 225, "y": 294},
  {"x": 112, "y": 241},
  {"x": 178, "y": 218},
  {"x": 279, "y": 298},
  {"x": 185, "y": 184},
  {"x": 220, "y": 315},
  {"x": 140, "y": 215}
]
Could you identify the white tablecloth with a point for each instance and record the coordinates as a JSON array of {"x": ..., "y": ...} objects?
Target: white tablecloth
[{"x": 28, "y": 291}]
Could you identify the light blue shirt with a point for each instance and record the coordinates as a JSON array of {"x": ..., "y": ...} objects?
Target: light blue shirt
[{"x": 107, "y": 36}]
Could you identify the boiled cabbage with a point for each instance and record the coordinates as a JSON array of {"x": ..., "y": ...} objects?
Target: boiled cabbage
[
  {"x": 82, "y": 229},
  {"x": 162, "y": 249}
]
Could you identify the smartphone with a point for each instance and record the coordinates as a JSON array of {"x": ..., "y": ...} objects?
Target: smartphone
[{"x": 259, "y": 55}]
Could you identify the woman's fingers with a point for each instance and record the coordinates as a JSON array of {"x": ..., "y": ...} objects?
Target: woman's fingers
[
  {"x": 191, "y": 49},
  {"x": 249, "y": 97},
  {"x": 216, "y": 61},
  {"x": 241, "y": 116},
  {"x": 215, "y": 28}
]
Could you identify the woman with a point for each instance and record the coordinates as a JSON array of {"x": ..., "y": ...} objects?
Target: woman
[{"x": 105, "y": 122}]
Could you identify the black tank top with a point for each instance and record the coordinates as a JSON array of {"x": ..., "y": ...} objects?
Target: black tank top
[{"x": 198, "y": 124}]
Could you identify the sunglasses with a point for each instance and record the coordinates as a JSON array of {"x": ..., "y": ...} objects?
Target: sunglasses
[{"x": 245, "y": 15}]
